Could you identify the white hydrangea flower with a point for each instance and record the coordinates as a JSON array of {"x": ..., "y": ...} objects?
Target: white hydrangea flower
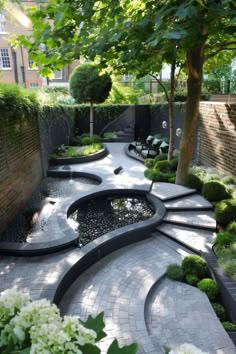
[
  {"x": 10, "y": 304},
  {"x": 75, "y": 329},
  {"x": 187, "y": 348}
]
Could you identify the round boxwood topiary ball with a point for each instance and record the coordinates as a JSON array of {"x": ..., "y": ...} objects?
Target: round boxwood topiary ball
[
  {"x": 149, "y": 163},
  {"x": 192, "y": 279},
  {"x": 219, "y": 310},
  {"x": 215, "y": 191},
  {"x": 174, "y": 164},
  {"x": 194, "y": 265},
  {"x": 162, "y": 166},
  {"x": 209, "y": 287},
  {"x": 225, "y": 211},
  {"x": 86, "y": 140},
  {"x": 174, "y": 272},
  {"x": 193, "y": 181},
  {"x": 161, "y": 157},
  {"x": 232, "y": 227}
]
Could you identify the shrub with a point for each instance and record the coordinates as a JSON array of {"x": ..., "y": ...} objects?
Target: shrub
[
  {"x": 229, "y": 268},
  {"x": 172, "y": 179},
  {"x": 219, "y": 310},
  {"x": 229, "y": 180},
  {"x": 174, "y": 272},
  {"x": 194, "y": 265},
  {"x": 232, "y": 227},
  {"x": 108, "y": 135},
  {"x": 225, "y": 211},
  {"x": 91, "y": 149},
  {"x": 192, "y": 279},
  {"x": 149, "y": 163},
  {"x": 86, "y": 140},
  {"x": 162, "y": 166},
  {"x": 225, "y": 239},
  {"x": 193, "y": 181},
  {"x": 157, "y": 176},
  {"x": 214, "y": 191},
  {"x": 96, "y": 139},
  {"x": 209, "y": 287},
  {"x": 174, "y": 164},
  {"x": 161, "y": 157},
  {"x": 229, "y": 326}
]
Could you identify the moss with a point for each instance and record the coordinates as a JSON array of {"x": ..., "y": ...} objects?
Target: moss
[
  {"x": 193, "y": 181},
  {"x": 225, "y": 239},
  {"x": 209, "y": 287},
  {"x": 215, "y": 191},
  {"x": 174, "y": 272},
  {"x": 194, "y": 265},
  {"x": 225, "y": 211},
  {"x": 157, "y": 176}
]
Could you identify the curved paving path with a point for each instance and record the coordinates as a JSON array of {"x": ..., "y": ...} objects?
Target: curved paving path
[{"x": 121, "y": 283}]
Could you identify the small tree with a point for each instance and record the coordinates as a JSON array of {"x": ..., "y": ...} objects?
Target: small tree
[{"x": 88, "y": 85}]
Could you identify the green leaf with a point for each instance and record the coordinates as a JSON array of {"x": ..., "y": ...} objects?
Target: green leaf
[
  {"x": 23, "y": 351},
  {"x": 89, "y": 349},
  {"x": 127, "y": 349},
  {"x": 97, "y": 324},
  {"x": 175, "y": 35}
]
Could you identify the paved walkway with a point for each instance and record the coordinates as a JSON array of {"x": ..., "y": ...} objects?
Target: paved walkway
[{"x": 122, "y": 283}]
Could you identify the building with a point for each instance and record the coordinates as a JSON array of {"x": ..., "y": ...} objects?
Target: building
[{"x": 15, "y": 65}]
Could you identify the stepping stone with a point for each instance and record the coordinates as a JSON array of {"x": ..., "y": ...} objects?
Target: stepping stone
[
  {"x": 167, "y": 191},
  {"x": 197, "y": 239},
  {"x": 199, "y": 219},
  {"x": 195, "y": 201}
]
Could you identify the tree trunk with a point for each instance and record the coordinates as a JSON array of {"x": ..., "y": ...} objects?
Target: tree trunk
[
  {"x": 194, "y": 60},
  {"x": 91, "y": 119},
  {"x": 171, "y": 110}
]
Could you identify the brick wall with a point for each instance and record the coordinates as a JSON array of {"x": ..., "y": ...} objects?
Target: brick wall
[
  {"x": 20, "y": 166},
  {"x": 217, "y": 136}
]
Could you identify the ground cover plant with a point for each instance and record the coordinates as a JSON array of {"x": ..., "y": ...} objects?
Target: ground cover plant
[
  {"x": 31, "y": 327},
  {"x": 160, "y": 169},
  {"x": 75, "y": 151},
  {"x": 194, "y": 271}
]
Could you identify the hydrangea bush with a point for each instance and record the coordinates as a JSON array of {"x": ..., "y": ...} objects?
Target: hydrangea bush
[
  {"x": 187, "y": 348},
  {"x": 36, "y": 327}
]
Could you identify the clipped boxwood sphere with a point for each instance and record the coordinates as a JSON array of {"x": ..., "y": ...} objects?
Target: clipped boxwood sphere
[
  {"x": 219, "y": 310},
  {"x": 192, "y": 279},
  {"x": 174, "y": 164},
  {"x": 209, "y": 287},
  {"x": 149, "y": 163},
  {"x": 225, "y": 239},
  {"x": 194, "y": 265},
  {"x": 161, "y": 157},
  {"x": 87, "y": 85},
  {"x": 174, "y": 272},
  {"x": 214, "y": 191},
  {"x": 194, "y": 182},
  {"x": 162, "y": 166},
  {"x": 232, "y": 227},
  {"x": 225, "y": 211}
]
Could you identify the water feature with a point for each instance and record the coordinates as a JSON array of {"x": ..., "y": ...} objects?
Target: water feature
[{"x": 93, "y": 218}]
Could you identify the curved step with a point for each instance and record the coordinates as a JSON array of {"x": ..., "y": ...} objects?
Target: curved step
[
  {"x": 195, "y": 219},
  {"x": 169, "y": 191},
  {"x": 193, "y": 202}
]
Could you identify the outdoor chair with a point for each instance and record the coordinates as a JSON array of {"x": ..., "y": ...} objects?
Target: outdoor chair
[
  {"x": 153, "y": 150},
  {"x": 140, "y": 144}
]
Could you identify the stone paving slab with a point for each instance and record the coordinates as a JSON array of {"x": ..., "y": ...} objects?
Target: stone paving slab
[
  {"x": 197, "y": 239},
  {"x": 201, "y": 219},
  {"x": 178, "y": 313},
  {"x": 195, "y": 201},
  {"x": 167, "y": 191}
]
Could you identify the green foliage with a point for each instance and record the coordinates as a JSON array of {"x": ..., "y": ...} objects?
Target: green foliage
[
  {"x": 149, "y": 163},
  {"x": 87, "y": 85},
  {"x": 123, "y": 94},
  {"x": 174, "y": 164},
  {"x": 194, "y": 265},
  {"x": 193, "y": 181},
  {"x": 219, "y": 310},
  {"x": 162, "y": 166},
  {"x": 232, "y": 227},
  {"x": 91, "y": 149},
  {"x": 210, "y": 287},
  {"x": 215, "y": 191},
  {"x": 161, "y": 157},
  {"x": 225, "y": 239},
  {"x": 174, "y": 272},
  {"x": 192, "y": 279},
  {"x": 102, "y": 112},
  {"x": 229, "y": 180},
  {"x": 229, "y": 267},
  {"x": 109, "y": 135},
  {"x": 86, "y": 140},
  {"x": 229, "y": 326},
  {"x": 225, "y": 211},
  {"x": 157, "y": 176}
]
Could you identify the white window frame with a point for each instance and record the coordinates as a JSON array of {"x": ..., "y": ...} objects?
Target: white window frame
[
  {"x": 1, "y": 61},
  {"x": 61, "y": 76},
  {"x": 3, "y": 23}
]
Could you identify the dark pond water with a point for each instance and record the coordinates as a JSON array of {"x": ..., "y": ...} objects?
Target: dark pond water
[{"x": 101, "y": 215}]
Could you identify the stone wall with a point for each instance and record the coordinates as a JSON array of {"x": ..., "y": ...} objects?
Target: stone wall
[
  {"x": 217, "y": 136},
  {"x": 20, "y": 165}
]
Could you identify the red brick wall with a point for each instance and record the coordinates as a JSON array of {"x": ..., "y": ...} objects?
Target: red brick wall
[
  {"x": 20, "y": 166},
  {"x": 217, "y": 136}
]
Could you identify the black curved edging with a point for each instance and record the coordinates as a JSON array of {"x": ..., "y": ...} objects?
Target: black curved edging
[
  {"x": 70, "y": 173},
  {"x": 129, "y": 154},
  {"x": 81, "y": 159},
  {"x": 111, "y": 241}
]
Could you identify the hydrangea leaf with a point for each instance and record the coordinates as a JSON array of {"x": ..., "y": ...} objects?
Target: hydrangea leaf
[
  {"x": 127, "y": 349},
  {"x": 97, "y": 324}
]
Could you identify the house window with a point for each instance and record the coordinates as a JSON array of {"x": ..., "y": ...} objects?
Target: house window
[
  {"x": 2, "y": 23},
  {"x": 32, "y": 65},
  {"x": 57, "y": 75},
  {"x": 4, "y": 59},
  {"x": 34, "y": 84},
  {"x": 127, "y": 77}
]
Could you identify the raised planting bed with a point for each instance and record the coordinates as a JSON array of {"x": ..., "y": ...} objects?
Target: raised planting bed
[{"x": 80, "y": 158}]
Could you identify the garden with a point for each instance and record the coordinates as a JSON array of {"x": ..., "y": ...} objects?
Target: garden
[{"x": 114, "y": 200}]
